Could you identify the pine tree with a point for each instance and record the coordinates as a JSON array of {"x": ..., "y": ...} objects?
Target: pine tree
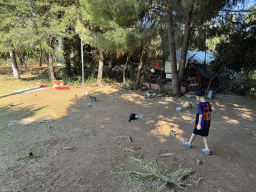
[
  {"x": 14, "y": 30},
  {"x": 193, "y": 13},
  {"x": 50, "y": 20},
  {"x": 108, "y": 25},
  {"x": 34, "y": 23}
]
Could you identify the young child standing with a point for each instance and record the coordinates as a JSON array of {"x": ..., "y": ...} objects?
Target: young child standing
[{"x": 202, "y": 123}]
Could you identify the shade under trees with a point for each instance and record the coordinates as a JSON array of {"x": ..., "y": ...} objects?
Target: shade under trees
[
  {"x": 33, "y": 24},
  {"x": 113, "y": 26},
  {"x": 193, "y": 14}
]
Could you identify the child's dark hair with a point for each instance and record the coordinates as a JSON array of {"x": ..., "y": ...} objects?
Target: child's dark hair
[{"x": 200, "y": 93}]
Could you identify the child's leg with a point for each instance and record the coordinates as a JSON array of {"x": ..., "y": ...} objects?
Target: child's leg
[
  {"x": 205, "y": 143},
  {"x": 192, "y": 138}
]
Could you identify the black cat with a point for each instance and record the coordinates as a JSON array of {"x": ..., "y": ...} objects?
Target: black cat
[
  {"x": 94, "y": 99},
  {"x": 132, "y": 117}
]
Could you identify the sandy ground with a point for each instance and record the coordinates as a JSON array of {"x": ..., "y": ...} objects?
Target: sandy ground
[{"x": 94, "y": 162}]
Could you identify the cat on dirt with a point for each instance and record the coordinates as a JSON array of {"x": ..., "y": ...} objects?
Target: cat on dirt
[
  {"x": 132, "y": 117},
  {"x": 94, "y": 99}
]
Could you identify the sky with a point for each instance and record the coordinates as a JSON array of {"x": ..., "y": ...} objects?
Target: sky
[
  {"x": 246, "y": 5},
  {"x": 240, "y": 6}
]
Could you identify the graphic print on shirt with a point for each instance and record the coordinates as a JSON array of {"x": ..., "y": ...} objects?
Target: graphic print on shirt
[
  {"x": 206, "y": 117},
  {"x": 204, "y": 108}
]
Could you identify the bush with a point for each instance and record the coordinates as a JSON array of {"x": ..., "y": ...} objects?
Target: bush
[
  {"x": 108, "y": 80},
  {"x": 165, "y": 91},
  {"x": 90, "y": 80},
  {"x": 131, "y": 85},
  {"x": 125, "y": 86},
  {"x": 44, "y": 77},
  {"x": 134, "y": 86}
]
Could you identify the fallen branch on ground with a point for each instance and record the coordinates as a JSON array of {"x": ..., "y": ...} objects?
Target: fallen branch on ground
[
  {"x": 68, "y": 148},
  {"x": 164, "y": 178},
  {"x": 138, "y": 160},
  {"x": 165, "y": 155},
  {"x": 187, "y": 174},
  {"x": 127, "y": 137},
  {"x": 129, "y": 150}
]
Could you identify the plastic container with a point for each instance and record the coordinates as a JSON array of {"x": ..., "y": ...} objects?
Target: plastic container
[
  {"x": 140, "y": 116},
  {"x": 89, "y": 104},
  {"x": 178, "y": 109},
  {"x": 210, "y": 95}
]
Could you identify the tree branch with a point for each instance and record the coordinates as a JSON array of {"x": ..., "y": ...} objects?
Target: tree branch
[
  {"x": 164, "y": 178},
  {"x": 187, "y": 174},
  {"x": 213, "y": 77}
]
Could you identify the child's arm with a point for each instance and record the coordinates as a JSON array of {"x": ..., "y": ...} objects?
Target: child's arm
[{"x": 199, "y": 122}]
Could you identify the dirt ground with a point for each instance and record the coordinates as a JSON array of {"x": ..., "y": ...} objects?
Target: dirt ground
[{"x": 95, "y": 159}]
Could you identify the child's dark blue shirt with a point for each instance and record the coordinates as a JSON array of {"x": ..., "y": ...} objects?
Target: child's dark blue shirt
[{"x": 205, "y": 109}]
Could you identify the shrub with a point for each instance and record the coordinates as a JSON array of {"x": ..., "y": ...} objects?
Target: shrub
[
  {"x": 165, "y": 91},
  {"x": 108, "y": 80},
  {"x": 134, "y": 86},
  {"x": 90, "y": 80}
]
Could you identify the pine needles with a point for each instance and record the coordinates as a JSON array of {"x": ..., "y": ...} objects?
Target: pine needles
[{"x": 156, "y": 174}]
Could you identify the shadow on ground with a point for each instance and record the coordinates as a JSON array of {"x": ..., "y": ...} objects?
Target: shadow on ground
[{"x": 92, "y": 158}]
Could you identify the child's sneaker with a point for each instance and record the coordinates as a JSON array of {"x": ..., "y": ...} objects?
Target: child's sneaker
[
  {"x": 206, "y": 151},
  {"x": 186, "y": 144}
]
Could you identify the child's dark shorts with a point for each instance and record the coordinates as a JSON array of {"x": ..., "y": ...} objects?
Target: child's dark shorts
[{"x": 201, "y": 132}]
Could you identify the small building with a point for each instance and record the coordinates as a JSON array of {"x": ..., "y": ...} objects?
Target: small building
[{"x": 197, "y": 67}]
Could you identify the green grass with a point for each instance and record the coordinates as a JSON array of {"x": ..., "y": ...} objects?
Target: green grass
[
  {"x": 9, "y": 78},
  {"x": 26, "y": 157},
  {"x": 77, "y": 80},
  {"x": 90, "y": 80}
]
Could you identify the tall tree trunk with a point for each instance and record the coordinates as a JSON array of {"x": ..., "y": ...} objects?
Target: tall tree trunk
[
  {"x": 14, "y": 63},
  {"x": 139, "y": 67},
  {"x": 25, "y": 60},
  {"x": 50, "y": 67},
  {"x": 175, "y": 84},
  {"x": 100, "y": 71},
  {"x": 18, "y": 58},
  {"x": 125, "y": 67},
  {"x": 185, "y": 44},
  {"x": 46, "y": 57},
  {"x": 41, "y": 54}
]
